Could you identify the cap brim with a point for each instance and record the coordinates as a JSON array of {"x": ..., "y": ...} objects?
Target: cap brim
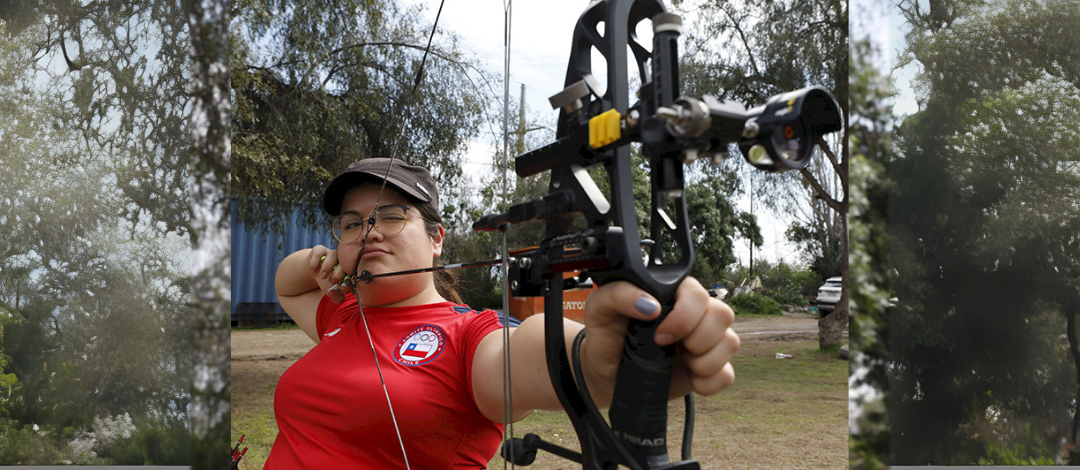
[{"x": 335, "y": 192}]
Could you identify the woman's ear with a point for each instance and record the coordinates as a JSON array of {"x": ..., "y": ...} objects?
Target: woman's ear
[{"x": 437, "y": 242}]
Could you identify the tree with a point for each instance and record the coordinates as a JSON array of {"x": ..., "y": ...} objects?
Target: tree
[
  {"x": 714, "y": 224},
  {"x": 318, "y": 85},
  {"x": 766, "y": 49},
  {"x": 986, "y": 189},
  {"x": 871, "y": 148},
  {"x": 210, "y": 115},
  {"x": 94, "y": 218}
]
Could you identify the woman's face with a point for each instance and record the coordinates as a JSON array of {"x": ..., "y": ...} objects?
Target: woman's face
[{"x": 412, "y": 248}]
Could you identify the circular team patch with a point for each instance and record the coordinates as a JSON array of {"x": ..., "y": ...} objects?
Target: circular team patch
[{"x": 420, "y": 346}]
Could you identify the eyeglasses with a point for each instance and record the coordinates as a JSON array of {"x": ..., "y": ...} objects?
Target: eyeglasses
[{"x": 389, "y": 220}]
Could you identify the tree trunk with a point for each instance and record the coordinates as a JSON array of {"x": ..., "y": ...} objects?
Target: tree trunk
[{"x": 831, "y": 327}]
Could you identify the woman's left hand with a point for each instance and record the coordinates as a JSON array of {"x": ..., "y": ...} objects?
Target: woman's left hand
[{"x": 699, "y": 324}]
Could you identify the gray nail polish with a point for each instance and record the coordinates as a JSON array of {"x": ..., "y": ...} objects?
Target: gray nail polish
[{"x": 645, "y": 305}]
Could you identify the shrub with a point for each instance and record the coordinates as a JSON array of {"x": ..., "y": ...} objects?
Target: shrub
[
  {"x": 87, "y": 447},
  {"x": 155, "y": 443},
  {"x": 754, "y": 303},
  {"x": 784, "y": 283},
  {"x": 28, "y": 445},
  {"x": 1025, "y": 447}
]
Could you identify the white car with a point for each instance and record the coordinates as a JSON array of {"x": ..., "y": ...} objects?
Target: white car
[{"x": 828, "y": 294}]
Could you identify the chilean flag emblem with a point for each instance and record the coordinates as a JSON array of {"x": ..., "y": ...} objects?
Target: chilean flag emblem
[
  {"x": 420, "y": 346},
  {"x": 416, "y": 350}
]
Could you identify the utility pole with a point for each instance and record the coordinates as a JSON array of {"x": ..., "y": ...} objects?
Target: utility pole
[{"x": 521, "y": 124}]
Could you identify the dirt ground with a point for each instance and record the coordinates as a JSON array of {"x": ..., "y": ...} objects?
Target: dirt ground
[
  {"x": 270, "y": 349},
  {"x": 259, "y": 357}
]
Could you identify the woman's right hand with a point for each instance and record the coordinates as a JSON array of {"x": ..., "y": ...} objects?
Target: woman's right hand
[{"x": 323, "y": 266}]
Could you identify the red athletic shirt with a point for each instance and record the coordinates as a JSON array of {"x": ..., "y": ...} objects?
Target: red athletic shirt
[{"x": 331, "y": 410}]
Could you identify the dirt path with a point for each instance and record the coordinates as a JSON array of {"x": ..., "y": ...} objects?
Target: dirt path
[
  {"x": 269, "y": 345},
  {"x": 788, "y": 327},
  {"x": 259, "y": 357}
]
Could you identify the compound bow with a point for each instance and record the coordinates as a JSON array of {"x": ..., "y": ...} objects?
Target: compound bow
[{"x": 595, "y": 129}]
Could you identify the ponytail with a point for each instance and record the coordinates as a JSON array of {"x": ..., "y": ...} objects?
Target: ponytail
[{"x": 445, "y": 281}]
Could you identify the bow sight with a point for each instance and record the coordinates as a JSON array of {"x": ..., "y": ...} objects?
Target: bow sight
[
  {"x": 777, "y": 136},
  {"x": 594, "y": 129}
]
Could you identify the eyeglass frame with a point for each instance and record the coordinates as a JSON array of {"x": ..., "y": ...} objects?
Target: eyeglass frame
[{"x": 374, "y": 226}]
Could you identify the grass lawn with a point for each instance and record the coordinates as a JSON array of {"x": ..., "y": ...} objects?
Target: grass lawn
[{"x": 780, "y": 413}]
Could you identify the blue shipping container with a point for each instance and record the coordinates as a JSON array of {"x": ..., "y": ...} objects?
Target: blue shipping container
[{"x": 255, "y": 258}]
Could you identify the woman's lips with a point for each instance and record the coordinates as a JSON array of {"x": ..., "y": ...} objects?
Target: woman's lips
[{"x": 373, "y": 252}]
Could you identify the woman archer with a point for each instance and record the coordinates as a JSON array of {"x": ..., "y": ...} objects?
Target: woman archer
[{"x": 442, "y": 362}]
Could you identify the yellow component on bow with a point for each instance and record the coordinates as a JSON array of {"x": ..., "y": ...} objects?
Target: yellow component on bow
[{"x": 604, "y": 128}]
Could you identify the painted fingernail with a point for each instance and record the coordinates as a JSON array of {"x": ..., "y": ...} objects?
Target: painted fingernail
[{"x": 645, "y": 305}]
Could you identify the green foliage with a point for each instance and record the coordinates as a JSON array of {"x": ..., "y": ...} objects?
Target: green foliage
[
  {"x": 782, "y": 282},
  {"x": 789, "y": 286},
  {"x": 1027, "y": 448},
  {"x": 154, "y": 444},
  {"x": 981, "y": 214},
  {"x": 23, "y": 445},
  {"x": 94, "y": 219},
  {"x": 870, "y": 146},
  {"x": 318, "y": 85},
  {"x": 8, "y": 381},
  {"x": 754, "y": 303},
  {"x": 999, "y": 454},
  {"x": 714, "y": 226}
]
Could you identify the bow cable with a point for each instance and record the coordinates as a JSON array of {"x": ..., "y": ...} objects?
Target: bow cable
[
  {"x": 508, "y": 396},
  {"x": 371, "y": 225}
]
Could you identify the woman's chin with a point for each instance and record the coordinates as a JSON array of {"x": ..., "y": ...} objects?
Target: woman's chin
[{"x": 380, "y": 291}]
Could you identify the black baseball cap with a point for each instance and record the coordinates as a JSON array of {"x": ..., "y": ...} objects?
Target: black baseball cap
[{"x": 413, "y": 181}]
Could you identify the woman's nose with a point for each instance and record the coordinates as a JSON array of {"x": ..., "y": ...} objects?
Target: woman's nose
[{"x": 372, "y": 234}]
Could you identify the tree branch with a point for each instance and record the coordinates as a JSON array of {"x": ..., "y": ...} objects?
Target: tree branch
[
  {"x": 746, "y": 44},
  {"x": 820, "y": 191},
  {"x": 837, "y": 166}
]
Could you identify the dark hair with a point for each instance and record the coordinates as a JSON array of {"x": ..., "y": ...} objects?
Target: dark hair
[{"x": 445, "y": 281}]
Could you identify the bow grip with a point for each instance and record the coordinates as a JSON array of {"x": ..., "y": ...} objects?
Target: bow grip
[{"x": 639, "y": 404}]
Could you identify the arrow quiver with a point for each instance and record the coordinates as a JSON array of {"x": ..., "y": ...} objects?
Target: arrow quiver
[{"x": 596, "y": 125}]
